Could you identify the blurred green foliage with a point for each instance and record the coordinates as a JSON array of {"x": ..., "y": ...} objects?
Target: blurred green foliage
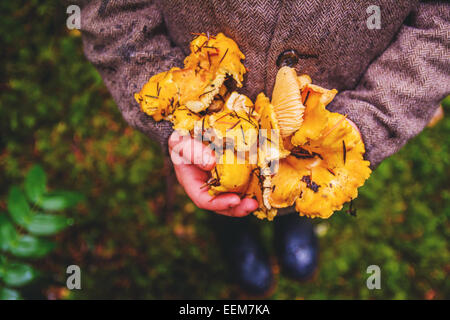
[
  {"x": 54, "y": 110},
  {"x": 22, "y": 229}
]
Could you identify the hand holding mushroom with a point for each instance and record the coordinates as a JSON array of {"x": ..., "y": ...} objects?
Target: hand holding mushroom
[
  {"x": 284, "y": 152},
  {"x": 192, "y": 161}
]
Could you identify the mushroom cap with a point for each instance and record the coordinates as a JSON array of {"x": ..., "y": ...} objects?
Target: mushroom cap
[
  {"x": 270, "y": 146},
  {"x": 211, "y": 62},
  {"x": 324, "y": 165},
  {"x": 239, "y": 103},
  {"x": 303, "y": 80},
  {"x": 184, "y": 120},
  {"x": 214, "y": 58},
  {"x": 334, "y": 173},
  {"x": 315, "y": 118},
  {"x": 155, "y": 96},
  {"x": 232, "y": 174},
  {"x": 286, "y": 186},
  {"x": 287, "y": 101},
  {"x": 224, "y": 56},
  {"x": 236, "y": 124}
]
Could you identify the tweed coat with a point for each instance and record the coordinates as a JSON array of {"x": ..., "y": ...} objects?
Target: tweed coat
[{"x": 390, "y": 79}]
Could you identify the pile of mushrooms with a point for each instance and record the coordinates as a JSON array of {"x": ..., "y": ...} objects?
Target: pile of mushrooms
[{"x": 287, "y": 151}]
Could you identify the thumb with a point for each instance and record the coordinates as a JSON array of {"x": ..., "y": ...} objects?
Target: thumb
[{"x": 186, "y": 150}]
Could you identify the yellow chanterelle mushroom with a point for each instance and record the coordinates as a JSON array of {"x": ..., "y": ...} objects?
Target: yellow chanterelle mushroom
[
  {"x": 325, "y": 165},
  {"x": 287, "y": 151},
  {"x": 212, "y": 61}
]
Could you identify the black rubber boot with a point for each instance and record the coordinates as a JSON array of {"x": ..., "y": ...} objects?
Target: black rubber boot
[
  {"x": 241, "y": 246},
  {"x": 296, "y": 246}
]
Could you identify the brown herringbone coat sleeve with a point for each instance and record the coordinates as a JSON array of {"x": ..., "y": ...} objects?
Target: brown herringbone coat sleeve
[
  {"x": 402, "y": 88},
  {"x": 128, "y": 43}
]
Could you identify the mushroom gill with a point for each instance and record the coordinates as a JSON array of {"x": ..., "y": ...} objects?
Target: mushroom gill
[{"x": 287, "y": 102}]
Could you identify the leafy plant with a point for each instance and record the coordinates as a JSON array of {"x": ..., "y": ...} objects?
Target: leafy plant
[
  {"x": 24, "y": 227},
  {"x": 55, "y": 110}
]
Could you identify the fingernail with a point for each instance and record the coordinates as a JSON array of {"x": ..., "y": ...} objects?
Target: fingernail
[{"x": 234, "y": 202}]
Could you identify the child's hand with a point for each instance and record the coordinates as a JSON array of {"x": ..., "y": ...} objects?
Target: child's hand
[{"x": 192, "y": 160}]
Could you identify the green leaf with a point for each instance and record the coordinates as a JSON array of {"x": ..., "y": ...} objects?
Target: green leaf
[
  {"x": 35, "y": 183},
  {"x": 18, "y": 207},
  {"x": 31, "y": 247},
  {"x": 46, "y": 224},
  {"x": 446, "y": 102},
  {"x": 60, "y": 200},
  {"x": 8, "y": 233},
  {"x": 9, "y": 294},
  {"x": 18, "y": 274}
]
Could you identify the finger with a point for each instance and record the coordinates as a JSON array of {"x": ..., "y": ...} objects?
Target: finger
[
  {"x": 246, "y": 207},
  {"x": 185, "y": 150},
  {"x": 221, "y": 202},
  {"x": 193, "y": 179},
  {"x": 174, "y": 139}
]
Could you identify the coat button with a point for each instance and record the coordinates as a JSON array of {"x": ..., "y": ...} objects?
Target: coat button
[{"x": 287, "y": 58}]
